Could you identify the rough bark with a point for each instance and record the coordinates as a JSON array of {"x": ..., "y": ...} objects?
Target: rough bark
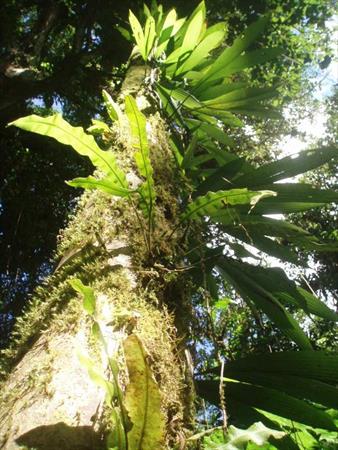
[{"x": 48, "y": 400}]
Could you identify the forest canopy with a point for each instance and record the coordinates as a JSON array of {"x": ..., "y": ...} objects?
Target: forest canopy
[{"x": 62, "y": 54}]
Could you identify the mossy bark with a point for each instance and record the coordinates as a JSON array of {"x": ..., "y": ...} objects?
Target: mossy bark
[{"x": 48, "y": 399}]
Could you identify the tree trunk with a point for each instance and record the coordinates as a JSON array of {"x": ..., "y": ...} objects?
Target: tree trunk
[{"x": 48, "y": 400}]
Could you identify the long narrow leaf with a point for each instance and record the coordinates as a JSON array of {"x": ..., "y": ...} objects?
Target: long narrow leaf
[
  {"x": 140, "y": 142},
  {"x": 89, "y": 301},
  {"x": 251, "y": 59},
  {"x": 106, "y": 184},
  {"x": 190, "y": 35},
  {"x": 241, "y": 98},
  {"x": 207, "y": 129},
  {"x": 138, "y": 34},
  {"x": 299, "y": 387},
  {"x": 293, "y": 197},
  {"x": 212, "y": 201},
  {"x": 275, "y": 281},
  {"x": 317, "y": 365},
  {"x": 149, "y": 35},
  {"x": 189, "y": 153},
  {"x": 221, "y": 178},
  {"x": 57, "y": 128},
  {"x": 267, "y": 226},
  {"x": 272, "y": 247},
  {"x": 269, "y": 400},
  {"x": 113, "y": 108},
  {"x": 169, "y": 29},
  {"x": 212, "y": 40},
  {"x": 97, "y": 376},
  {"x": 254, "y": 293},
  {"x": 222, "y": 88},
  {"x": 289, "y": 166},
  {"x": 142, "y": 399},
  {"x": 231, "y": 53}
]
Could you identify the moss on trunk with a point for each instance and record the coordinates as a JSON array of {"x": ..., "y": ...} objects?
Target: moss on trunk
[{"x": 47, "y": 399}]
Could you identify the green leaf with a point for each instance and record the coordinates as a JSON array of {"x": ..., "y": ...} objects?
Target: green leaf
[
  {"x": 97, "y": 377},
  {"x": 314, "y": 306},
  {"x": 221, "y": 156},
  {"x": 138, "y": 34},
  {"x": 188, "y": 101},
  {"x": 237, "y": 439},
  {"x": 240, "y": 251},
  {"x": 98, "y": 127},
  {"x": 213, "y": 39},
  {"x": 149, "y": 35},
  {"x": 194, "y": 28},
  {"x": 209, "y": 114},
  {"x": 168, "y": 24},
  {"x": 112, "y": 108},
  {"x": 317, "y": 365},
  {"x": 220, "y": 89},
  {"x": 116, "y": 439},
  {"x": 176, "y": 151},
  {"x": 275, "y": 281},
  {"x": 251, "y": 59},
  {"x": 167, "y": 104},
  {"x": 89, "y": 301},
  {"x": 185, "y": 99},
  {"x": 289, "y": 373},
  {"x": 253, "y": 292},
  {"x": 221, "y": 178},
  {"x": 269, "y": 400},
  {"x": 235, "y": 224},
  {"x": 300, "y": 387},
  {"x": 293, "y": 197},
  {"x": 213, "y": 201},
  {"x": 124, "y": 32},
  {"x": 189, "y": 153},
  {"x": 241, "y": 98},
  {"x": 213, "y": 131},
  {"x": 142, "y": 155},
  {"x": 230, "y": 54},
  {"x": 142, "y": 399},
  {"x": 298, "y": 436},
  {"x": 105, "y": 184},
  {"x": 288, "y": 167},
  {"x": 269, "y": 226},
  {"x": 170, "y": 27},
  {"x": 146, "y": 10},
  {"x": 57, "y": 128},
  {"x": 253, "y": 236},
  {"x": 192, "y": 33}
]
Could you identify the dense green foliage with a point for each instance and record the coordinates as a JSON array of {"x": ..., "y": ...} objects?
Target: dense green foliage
[
  {"x": 204, "y": 90},
  {"x": 61, "y": 54}
]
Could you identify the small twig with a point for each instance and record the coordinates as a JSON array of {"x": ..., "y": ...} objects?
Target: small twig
[
  {"x": 174, "y": 269},
  {"x": 198, "y": 436},
  {"x": 308, "y": 284}
]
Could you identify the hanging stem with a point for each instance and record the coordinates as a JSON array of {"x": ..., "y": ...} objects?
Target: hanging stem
[{"x": 222, "y": 397}]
